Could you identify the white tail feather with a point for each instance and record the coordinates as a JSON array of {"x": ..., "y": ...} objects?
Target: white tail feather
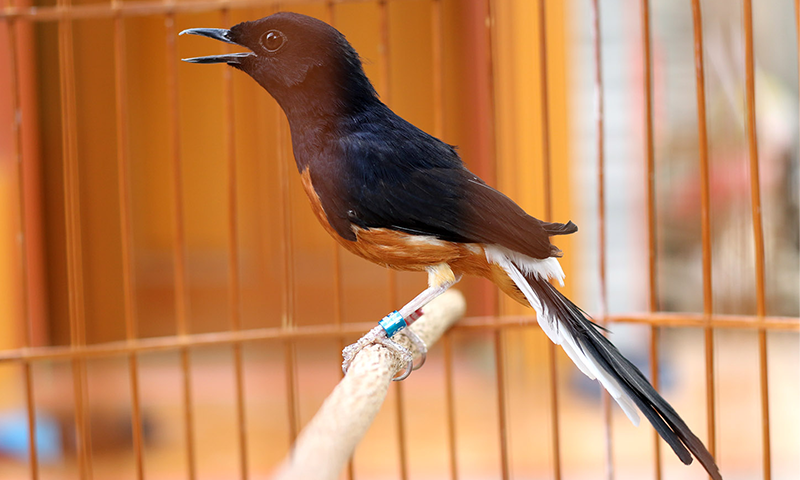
[{"x": 547, "y": 269}]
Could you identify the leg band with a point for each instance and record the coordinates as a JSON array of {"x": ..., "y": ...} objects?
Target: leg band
[{"x": 393, "y": 323}]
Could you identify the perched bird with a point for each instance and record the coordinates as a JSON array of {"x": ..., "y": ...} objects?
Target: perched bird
[{"x": 391, "y": 193}]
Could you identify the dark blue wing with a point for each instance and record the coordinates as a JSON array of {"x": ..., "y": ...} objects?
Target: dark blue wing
[{"x": 403, "y": 179}]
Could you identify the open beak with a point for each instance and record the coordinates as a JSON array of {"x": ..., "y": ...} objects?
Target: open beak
[{"x": 218, "y": 34}]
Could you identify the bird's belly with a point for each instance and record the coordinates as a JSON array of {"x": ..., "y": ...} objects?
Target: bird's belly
[{"x": 404, "y": 251}]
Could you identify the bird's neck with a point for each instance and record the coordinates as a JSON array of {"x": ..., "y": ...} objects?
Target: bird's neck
[
  {"x": 316, "y": 118},
  {"x": 325, "y": 96},
  {"x": 323, "y": 109}
]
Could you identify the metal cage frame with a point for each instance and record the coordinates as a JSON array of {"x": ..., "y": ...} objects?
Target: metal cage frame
[{"x": 78, "y": 351}]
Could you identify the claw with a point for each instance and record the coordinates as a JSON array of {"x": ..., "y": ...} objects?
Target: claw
[
  {"x": 405, "y": 354},
  {"x": 406, "y": 373},
  {"x": 421, "y": 347}
]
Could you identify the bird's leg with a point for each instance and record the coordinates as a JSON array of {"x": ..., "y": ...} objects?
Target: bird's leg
[{"x": 440, "y": 278}]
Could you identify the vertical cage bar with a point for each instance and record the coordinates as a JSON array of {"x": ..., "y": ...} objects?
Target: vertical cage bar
[
  {"x": 234, "y": 290},
  {"x": 384, "y": 64},
  {"x": 73, "y": 235},
  {"x": 71, "y": 200},
  {"x": 401, "y": 432},
  {"x": 30, "y": 405},
  {"x": 499, "y": 348},
  {"x": 552, "y": 354},
  {"x": 338, "y": 304},
  {"x": 601, "y": 215},
  {"x": 654, "y": 362},
  {"x": 437, "y": 26},
  {"x": 543, "y": 95},
  {"x": 651, "y": 209},
  {"x": 338, "y": 300},
  {"x": 288, "y": 320},
  {"x": 499, "y": 359},
  {"x": 705, "y": 209},
  {"x": 179, "y": 246},
  {"x": 290, "y": 360},
  {"x": 338, "y": 295},
  {"x": 758, "y": 234},
  {"x": 600, "y": 126},
  {"x": 384, "y": 52},
  {"x": 437, "y": 47},
  {"x": 25, "y": 317},
  {"x": 447, "y": 346},
  {"x": 649, "y": 154},
  {"x": 123, "y": 176},
  {"x": 126, "y": 232}
]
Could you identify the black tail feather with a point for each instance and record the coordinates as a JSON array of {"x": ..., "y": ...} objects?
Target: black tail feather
[{"x": 655, "y": 408}]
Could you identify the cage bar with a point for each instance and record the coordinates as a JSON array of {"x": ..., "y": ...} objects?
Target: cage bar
[
  {"x": 758, "y": 234},
  {"x": 555, "y": 429},
  {"x": 452, "y": 446},
  {"x": 601, "y": 216},
  {"x": 489, "y": 32},
  {"x": 78, "y": 352},
  {"x": 288, "y": 291},
  {"x": 470, "y": 324},
  {"x": 182, "y": 304},
  {"x": 25, "y": 318},
  {"x": 145, "y": 8},
  {"x": 705, "y": 215},
  {"x": 234, "y": 290},
  {"x": 338, "y": 303},
  {"x": 651, "y": 209},
  {"x": 73, "y": 238},
  {"x": 385, "y": 68},
  {"x": 338, "y": 293},
  {"x": 437, "y": 47},
  {"x": 126, "y": 236}
]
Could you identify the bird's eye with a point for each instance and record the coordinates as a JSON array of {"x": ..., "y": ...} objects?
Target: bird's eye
[{"x": 273, "y": 40}]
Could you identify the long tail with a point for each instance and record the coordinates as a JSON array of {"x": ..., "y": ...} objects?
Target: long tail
[{"x": 567, "y": 325}]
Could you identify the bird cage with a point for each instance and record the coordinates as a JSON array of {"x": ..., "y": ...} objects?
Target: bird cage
[{"x": 172, "y": 309}]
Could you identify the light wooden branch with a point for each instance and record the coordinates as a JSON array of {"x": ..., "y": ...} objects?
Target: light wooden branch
[{"x": 328, "y": 441}]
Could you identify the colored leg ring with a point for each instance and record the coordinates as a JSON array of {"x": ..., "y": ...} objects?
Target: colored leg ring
[{"x": 392, "y": 323}]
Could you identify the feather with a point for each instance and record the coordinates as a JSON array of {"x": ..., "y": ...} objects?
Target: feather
[{"x": 567, "y": 325}]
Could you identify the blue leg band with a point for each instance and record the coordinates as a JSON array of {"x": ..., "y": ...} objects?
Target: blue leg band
[{"x": 393, "y": 323}]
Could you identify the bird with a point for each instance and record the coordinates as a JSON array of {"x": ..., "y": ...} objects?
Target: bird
[{"x": 399, "y": 197}]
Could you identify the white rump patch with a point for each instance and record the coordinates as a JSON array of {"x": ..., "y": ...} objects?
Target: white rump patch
[
  {"x": 517, "y": 265},
  {"x": 547, "y": 268}
]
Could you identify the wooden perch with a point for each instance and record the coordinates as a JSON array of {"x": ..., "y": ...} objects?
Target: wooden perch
[{"x": 324, "y": 446}]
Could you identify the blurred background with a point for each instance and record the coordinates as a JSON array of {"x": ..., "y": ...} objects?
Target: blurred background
[{"x": 151, "y": 219}]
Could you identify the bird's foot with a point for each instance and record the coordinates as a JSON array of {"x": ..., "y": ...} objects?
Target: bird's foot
[
  {"x": 381, "y": 334},
  {"x": 378, "y": 336}
]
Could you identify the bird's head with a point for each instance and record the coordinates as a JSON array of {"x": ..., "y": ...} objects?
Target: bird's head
[{"x": 298, "y": 59}]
